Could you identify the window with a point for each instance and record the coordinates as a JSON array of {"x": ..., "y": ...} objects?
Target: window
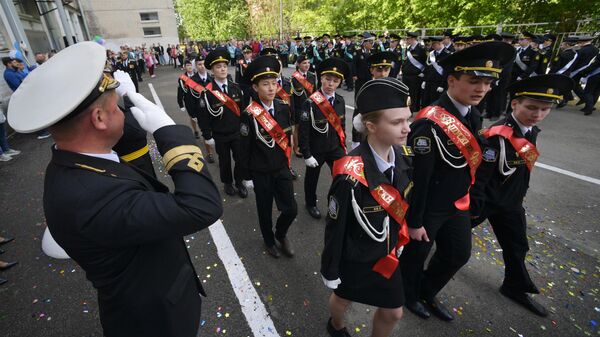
[
  {"x": 152, "y": 31},
  {"x": 149, "y": 16}
]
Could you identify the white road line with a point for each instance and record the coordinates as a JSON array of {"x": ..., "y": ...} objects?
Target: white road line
[
  {"x": 155, "y": 96},
  {"x": 568, "y": 173},
  {"x": 252, "y": 307}
]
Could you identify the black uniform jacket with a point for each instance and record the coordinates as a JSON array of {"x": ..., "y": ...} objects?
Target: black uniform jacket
[
  {"x": 437, "y": 183},
  {"x": 349, "y": 252},
  {"x": 312, "y": 141},
  {"x": 495, "y": 187},
  {"x": 530, "y": 59},
  {"x": 255, "y": 155},
  {"x": 225, "y": 126},
  {"x": 360, "y": 65},
  {"x": 299, "y": 94},
  {"x": 188, "y": 98},
  {"x": 420, "y": 54},
  {"x": 125, "y": 229},
  {"x": 431, "y": 74}
]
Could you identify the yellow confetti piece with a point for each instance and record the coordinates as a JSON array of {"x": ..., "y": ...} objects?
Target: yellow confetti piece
[
  {"x": 227, "y": 315},
  {"x": 357, "y": 329},
  {"x": 288, "y": 333}
]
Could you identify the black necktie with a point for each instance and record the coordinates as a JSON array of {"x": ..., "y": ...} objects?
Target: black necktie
[
  {"x": 225, "y": 88},
  {"x": 528, "y": 135},
  {"x": 468, "y": 117},
  {"x": 331, "y": 101},
  {"x": 388, "y": 174},
  {"x": 271, "y": 112}
]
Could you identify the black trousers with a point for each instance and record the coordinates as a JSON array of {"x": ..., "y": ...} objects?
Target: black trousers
[
  {"x": 452, "y": 236},
  {"x": 430, "y": 93},
  {"x": 276, "y": 185},
  {"x": 225, "y": 150},
  {"x": 350, "y": 78},
  {"x": 311, "y": 177},
  {"x": 577, "y": 89},
  {"x": 414, "y": 88},
  {"x": 496, "y": 98},
  {"x": 510, "y": 228},
  {"x": 591, "y": 92}
]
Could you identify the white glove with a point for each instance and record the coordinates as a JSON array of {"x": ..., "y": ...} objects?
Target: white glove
[
  {"x": 354, "y": 145},
  {"x": 331, "y": 284},
  {"x": 519, "y": 78},
  {"x": 439, "y": 89},
  {"x": 421, "y": 75},
  {"x": 210, "y": 142},
  {"x": 311, "y": 162},
  {"x": 148, "y": 114},
  {"x": 126, "y": 84},
  {"x": 423, "y": 85},
  {"x": 249, "y": 184},
  {"x": 583, "y": 80},
  {"x": 182, "y": 109}
]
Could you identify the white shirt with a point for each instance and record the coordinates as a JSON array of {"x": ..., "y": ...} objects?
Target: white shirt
[
  {"x": 267, "y": 107},
  {"x": 382, "y": 164},
  {"x": 327, "y": 96},
  {"x": 462, "y": 109},
  {"x": 108, "y": 156},
  {"x": 190, "y": 75},
  {"x": 523, "y": 128},
  {"x": 203, "y": 77},
  {"x": 221, "y": 84}
]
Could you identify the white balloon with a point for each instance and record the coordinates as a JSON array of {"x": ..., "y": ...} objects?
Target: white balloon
[{"x": 51, "y": 248}]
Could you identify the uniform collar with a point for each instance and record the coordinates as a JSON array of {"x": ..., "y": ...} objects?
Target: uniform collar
[
  {"x": 462, "y": 109},
  {"x": 267, "y": 107},
  {"x": 220, "y": 84},
  {"x": 382, "y": 164},
  {"x": 112, "y": 156},
  {"x": 523, "y": 128},
  {"x": 327, "y": 96}
]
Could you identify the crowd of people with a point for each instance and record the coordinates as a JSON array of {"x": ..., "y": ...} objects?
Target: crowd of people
[{"x": 397, "y": 187}]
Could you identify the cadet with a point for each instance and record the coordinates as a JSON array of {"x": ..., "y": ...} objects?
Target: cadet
[
  {"x": 496, "y": 99},
  {"x": 395, "y": 48},
  {"x": 447, "y": 42},
  {"x": 128, "y": 66},
  {"x": 189, "y": 99},
  {"x": 122, "y": 226},
  {"x": 434, "y": 81},
  {"x": 223, "y": 101},
  {"x": 412, "y": 69},
  {"x": 360, "y": 64},
  {"x": 203, "y": 78},
  {"x": 365, "y": 228},
  {"x": 266, "y": 154},
  {"x": 349, "y": 49},
  {"x": 592, "y": 86},
  {"x": 444, "y": 138},
  {"x": 526, "y": 59},
  {"x": 586, "y": 54},
  {"x": 503, "y": 178},
  {"x": 304, "y": 83},
  {"x": 545, "y": 45},
  {"x": 322, "y": 131}
]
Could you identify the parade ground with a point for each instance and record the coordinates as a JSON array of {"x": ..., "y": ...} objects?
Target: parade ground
[{"x": 252, "y": 294}]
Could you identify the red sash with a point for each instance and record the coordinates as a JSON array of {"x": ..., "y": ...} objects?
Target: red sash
[
  {"x": 332, "y": 116},
  {"x": 282, "y": 94},
  {"x": 272, "y": 127},
  {"x": 387, "y": 197},
  {"x": 305, "y": 83},
  {"x": 221, "y": 96},
  {"x": 462, "y": 138},
  {"x": 191, "y": 83},
  {"x": 526, "y": 150}
]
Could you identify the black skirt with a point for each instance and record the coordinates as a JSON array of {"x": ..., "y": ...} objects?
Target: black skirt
[{"x": 362, "y": 285}]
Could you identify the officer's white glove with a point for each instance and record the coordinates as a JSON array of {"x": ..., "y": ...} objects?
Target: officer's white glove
[
  {"x": 331, "y": 284},
  {"x": 421, "y": 75},
  {"x": 583, "y": 80},
  {"x": 210, "y": 142},
  {"x": 126, "y": 84},
  {"x": 439, "y": 89},
  {"x": 354, "y": 145},
  {"x": 423, "y": 85},
  {"x": 519, "y": 78},
  {"x": 182, "y": 109},
  {"x": 149, "y": 115},
  {"x": 249, "y": 184},
  {"x": 311, "y": 162}
]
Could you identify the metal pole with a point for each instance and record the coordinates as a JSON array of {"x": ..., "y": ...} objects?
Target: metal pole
[
  {"x": 17, "y": 28},
  {"x": 64, "y": 22},
  {"x": 280, "y": 19}
]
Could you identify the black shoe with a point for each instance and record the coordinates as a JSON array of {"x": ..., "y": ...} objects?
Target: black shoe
[
  {"x": 525, "y": 300},
  {"x": 294, "y": 174},
  {"x": 229, "y": 189},
  {"x": 418, "y": 309},
  {"x": 210, "y": 159},
  {"x": 242, "y": 191},
  {"x": 343, "y": 332},
  {"x": 6, "y": 240},
  {"x": 438, "y": 309},
  {"x": 286, "y": 247},
  {"x": 3, "y": 280},
  {"x": 273, "y": 251},
  {"x": 562, "y": 104},
  {"x": 8, "y": 265},
  {"x": 196, "y": 134},
  {"x": 314, "y": 212}
]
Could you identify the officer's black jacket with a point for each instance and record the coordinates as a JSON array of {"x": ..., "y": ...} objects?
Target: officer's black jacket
[
  {"x": 437, "y": 184},
  {"x": 545, "y": 54},
  {"x": 255, "y": 155},
  {"x": 347, "y": 245},
  {"x": 360, "y": 65},
  {"x": 561, "y": 60},
  {"x": 493, "y": 188},
  {"x": 420, "y": 54},
  {"x": 530, "y": 58},
  {"x": 125, "y": 229},
  {"x": 312, "y": 141},
  {"x": 431, "y": 75},
  {"x": 226, "y": 126}
]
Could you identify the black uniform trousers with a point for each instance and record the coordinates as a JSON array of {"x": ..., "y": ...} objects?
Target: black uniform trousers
[
  {"x": 510, "y": 228},
  {"x": 225, "y": 149},
  {"x": 577, "y": 89},
  {"x": 276, "y": 185},
  {"x": 591, "y": 92},
  {"x": 414, "y": 88},
  {"x": 452, "y": 236},
  {"x": 311, "y": 177},
  {"x": 350, "y": 77}
]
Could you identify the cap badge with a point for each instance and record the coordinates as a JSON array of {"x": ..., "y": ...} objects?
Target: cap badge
[
  {"x": 550, "y": 91},
  {"x": 334, "y": 69},
  {"x": 489, "y": 64},
  {"x": 268, "y": 69}
]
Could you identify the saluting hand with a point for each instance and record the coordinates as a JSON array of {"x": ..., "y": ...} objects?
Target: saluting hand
[
  {"x": 150, "y": 116},
  {"x": 418, "y": 234}
]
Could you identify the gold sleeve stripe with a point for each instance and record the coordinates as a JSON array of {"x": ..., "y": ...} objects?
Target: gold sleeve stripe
[
  {"x": 179, "y": 150},
  {"x": 135, "y": 154},
  {"x": 195, "y": 161}
]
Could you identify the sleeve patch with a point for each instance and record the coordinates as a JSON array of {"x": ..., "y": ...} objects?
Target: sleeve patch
[
  {"x": 304, "y": 116},
  {"x": 333, "y": 207},
  {"x": 422, "y": 145},
  {"x": 244, "y": 129},
  {"x": 490, "y": 154}
]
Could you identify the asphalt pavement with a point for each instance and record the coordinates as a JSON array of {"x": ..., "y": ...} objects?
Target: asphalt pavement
[{"x": 49, "y": 297}]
